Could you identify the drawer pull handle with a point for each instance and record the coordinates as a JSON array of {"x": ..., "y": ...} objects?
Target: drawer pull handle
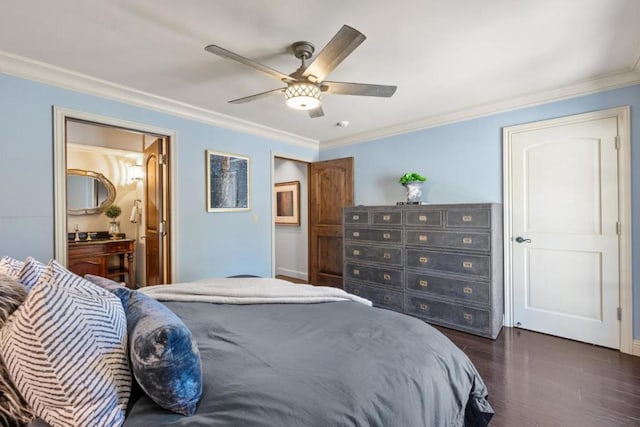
[
  {"x": 356, "y": 234},
  {"x": 386, "y": 298},
  {"x": 386, "y": 276},
  {"x": 356, "y": 217},
  {"x": 422, "y": 237},
  {"x": 467, "y": 264},
  {"x": 467, "y": 218},
  {"x": 424, "y": 283},
  {"x": 467, "y": 240},
  {"x": 386, "y": 217},
  {"x": 424, "y": 307},
  {"x": 356, "y": 252},
  {"x": 356, "y": 272},
  {"x": 467, "y": 290},
  {"x": 424, "y": 260},
  {"x": 386, "y": 235},
  {"x": 422, "y": 218},
  {"x": 386, "y": 255},
  {"x": 468, "y": 316},
  {"x": 356, "y": 291}
]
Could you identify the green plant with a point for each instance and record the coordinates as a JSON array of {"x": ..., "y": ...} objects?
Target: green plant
[
  {"x": 411, "y": 177},
  {"x": 113, "y": 211}
]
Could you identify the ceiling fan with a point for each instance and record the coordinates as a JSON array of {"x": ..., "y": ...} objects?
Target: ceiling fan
[{"x": 305, "y": 85}]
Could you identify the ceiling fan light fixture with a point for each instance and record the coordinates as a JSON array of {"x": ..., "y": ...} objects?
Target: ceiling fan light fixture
[{"x": 303, "y": 96}]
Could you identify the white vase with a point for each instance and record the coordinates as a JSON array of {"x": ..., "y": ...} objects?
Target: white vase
[{"x": 414, "y": 191}]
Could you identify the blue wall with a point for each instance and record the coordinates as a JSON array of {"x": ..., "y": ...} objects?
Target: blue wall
[
  {"x": 463, "y": 161},
  {"x": 209, "y": 244}
]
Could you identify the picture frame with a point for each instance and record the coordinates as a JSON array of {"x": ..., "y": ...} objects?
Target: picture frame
[
  {"x": 287, "y": 197},
  {"x": 228, "y": 182}
]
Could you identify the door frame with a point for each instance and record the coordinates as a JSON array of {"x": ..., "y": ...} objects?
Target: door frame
[
  {"x": 60, "y": 116},
  {"x": 622, "y": 114}
]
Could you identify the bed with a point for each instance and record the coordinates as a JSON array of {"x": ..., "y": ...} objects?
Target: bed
[
  {"x": 266, "y": 353},
  {"x": 338, "y": 363}
]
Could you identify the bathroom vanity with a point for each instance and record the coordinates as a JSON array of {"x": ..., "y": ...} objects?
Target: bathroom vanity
[{"x": 103, "y": 257}]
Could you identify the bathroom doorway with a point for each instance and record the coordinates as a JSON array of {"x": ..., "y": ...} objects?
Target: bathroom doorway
[{"x": 134, "y": 247}]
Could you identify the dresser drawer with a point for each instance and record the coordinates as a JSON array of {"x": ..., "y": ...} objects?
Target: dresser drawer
[
  {"x": 356, "y": 217},
  {"x": 383, "y": 235},
  {"x": 379, "y": 297},
  {"x": 84, "y": 250},
  {"x": 469, "y": 218},
  {"x": 387, "y": 217},
  {"x": 465, "y": 290},
  {"x": 380, "y": 275},
  {"x": 473, "y": 265},
  {"x": 450, "y": 314},
  {"x": 449, "y": 239},
  {"x": 424, "y": 217},
  {"x": 117, "y": 247},
  {"x": 390, "y": 256}
]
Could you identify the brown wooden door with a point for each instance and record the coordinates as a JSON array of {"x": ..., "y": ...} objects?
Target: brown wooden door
[
  {"x": 156, "y": 214},
  {"x": 330, "y": 189}
]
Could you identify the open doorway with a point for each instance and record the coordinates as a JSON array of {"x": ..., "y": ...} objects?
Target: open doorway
[
  {"x": 292, "y": 239},
  {"x": 133, "y": 161}
]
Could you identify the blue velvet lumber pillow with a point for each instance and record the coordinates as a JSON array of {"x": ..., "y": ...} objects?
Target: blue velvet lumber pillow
[
  {"x": 164, "y": 356},
  {"x": 104, "y": 283}
]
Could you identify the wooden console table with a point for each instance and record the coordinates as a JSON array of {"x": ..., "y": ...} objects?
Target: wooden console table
[{"x": 106, "y": 258}]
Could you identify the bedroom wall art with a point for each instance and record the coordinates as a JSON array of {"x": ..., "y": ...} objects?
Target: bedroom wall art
[
  {"x": 287, "y": 203},
  {"x": 227, "y": 182}
]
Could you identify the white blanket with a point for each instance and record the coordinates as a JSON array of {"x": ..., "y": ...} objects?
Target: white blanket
[{"x": 250, "y": 290}]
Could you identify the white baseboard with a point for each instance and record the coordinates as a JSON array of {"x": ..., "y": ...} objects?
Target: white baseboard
[
  {"x": 636, "y": 348},
  {"x": 302, "y": 275}
]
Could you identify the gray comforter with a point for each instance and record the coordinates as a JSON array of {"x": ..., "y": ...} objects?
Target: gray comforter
[{"x": 327, "y": 364}]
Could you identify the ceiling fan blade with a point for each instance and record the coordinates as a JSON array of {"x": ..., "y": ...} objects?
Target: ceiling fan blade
[
  {"x": 362, "y": 89},
  {"x": 316, "y": 112},
  {"x": 345, "y": 41},
  {"x": 256, "y": 96},
  {"x": 217, "y": 50}
]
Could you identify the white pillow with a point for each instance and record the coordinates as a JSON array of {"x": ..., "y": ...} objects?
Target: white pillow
[
  {"x": 10, "y": 266},
  {"x": 65, "y": 349},
  {"x": 30, "y": 272}
]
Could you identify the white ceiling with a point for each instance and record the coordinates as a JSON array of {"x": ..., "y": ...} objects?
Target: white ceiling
[{"x": 451, "y": 59}]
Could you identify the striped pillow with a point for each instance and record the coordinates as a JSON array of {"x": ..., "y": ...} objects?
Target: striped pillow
[
  {"x": 30, "y": 272},
  {"x": 10, "y": 266},
  {"x": 65, "y": 349},
  {"x": 14, "y": 410}
]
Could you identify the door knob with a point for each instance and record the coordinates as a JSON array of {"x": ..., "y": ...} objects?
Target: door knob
[{"x": 520, "y": 239}]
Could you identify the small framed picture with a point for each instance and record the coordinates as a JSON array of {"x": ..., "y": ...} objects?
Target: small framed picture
[
  {"x": 287, "y": 196},
  {"x": 228, "y": 182}
]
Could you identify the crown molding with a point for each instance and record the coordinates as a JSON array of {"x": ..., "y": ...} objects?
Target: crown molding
[
  {"x": 625, "y": 78},
  {"x": 30, "y": 69}
]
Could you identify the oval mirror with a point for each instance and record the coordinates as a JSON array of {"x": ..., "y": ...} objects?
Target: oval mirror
[{"x": 88, "y": 192}]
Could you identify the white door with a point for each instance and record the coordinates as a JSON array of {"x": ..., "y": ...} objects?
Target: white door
[{"x": 564, "y": 222}]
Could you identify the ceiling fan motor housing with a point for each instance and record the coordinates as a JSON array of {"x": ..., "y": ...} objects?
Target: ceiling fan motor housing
[{"x": 303, "y": 50}]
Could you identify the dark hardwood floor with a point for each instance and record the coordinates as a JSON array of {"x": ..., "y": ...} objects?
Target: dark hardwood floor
[
  {"x": 291, "y": 279},
  {"x": 541, "y": 380}
]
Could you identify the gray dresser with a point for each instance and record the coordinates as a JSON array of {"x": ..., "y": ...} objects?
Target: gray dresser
[{"x": 440, "y": 263}]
